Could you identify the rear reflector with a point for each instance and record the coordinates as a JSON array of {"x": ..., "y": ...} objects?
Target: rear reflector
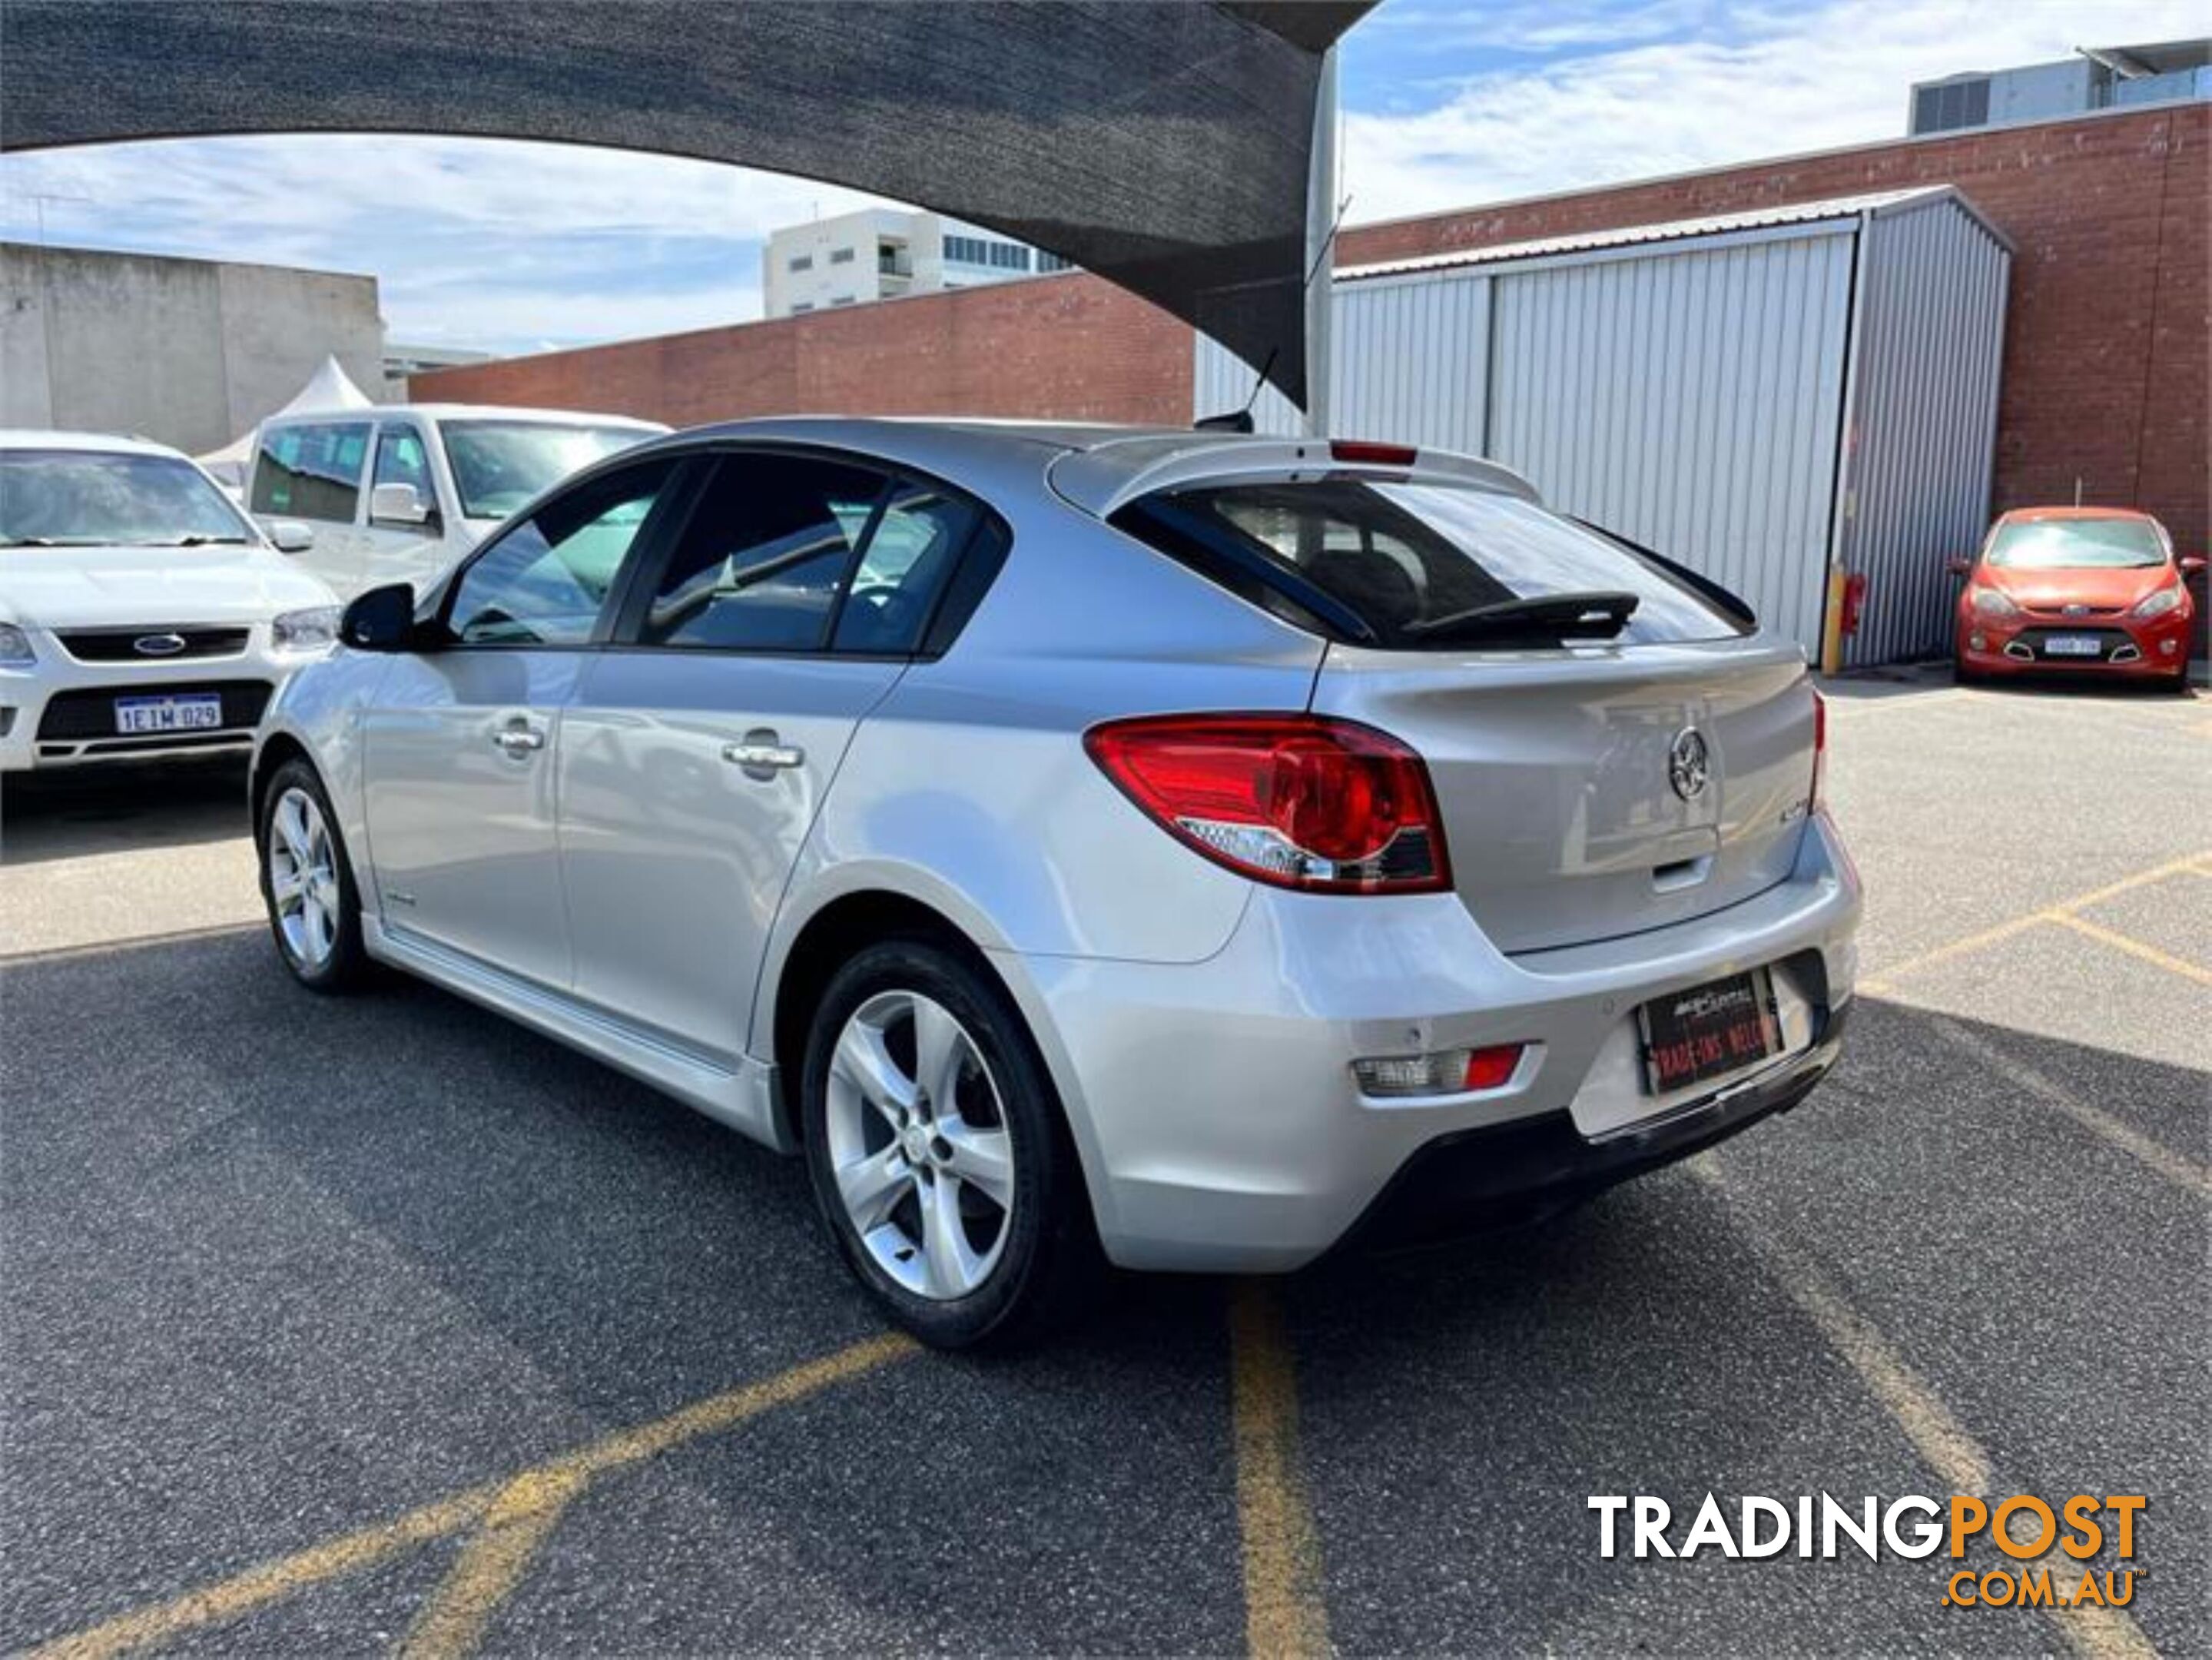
[
  {"x": 1295, "y": 800},
  {"x": 1356, "y": 451},
  {"x": 1447, "y": 1072},
  {"x": 1488, "y": 1068}
]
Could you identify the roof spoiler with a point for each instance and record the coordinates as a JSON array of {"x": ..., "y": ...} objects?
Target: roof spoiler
[{"x": 1107, "y": 476}]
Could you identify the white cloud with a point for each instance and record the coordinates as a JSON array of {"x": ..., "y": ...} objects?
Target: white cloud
[
  {"x": 1752, "y": 82},
  {"x": 476, "y": 242}
]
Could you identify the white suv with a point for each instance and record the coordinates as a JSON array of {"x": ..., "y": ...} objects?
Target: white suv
[
  {"x": 398, "y": 494},
  {"x": 141, "y": 613}
]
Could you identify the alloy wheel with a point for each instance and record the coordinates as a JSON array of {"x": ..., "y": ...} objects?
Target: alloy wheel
[
  {"x": 918, "y": 1144},
  {"x": 303, "y": 878}
]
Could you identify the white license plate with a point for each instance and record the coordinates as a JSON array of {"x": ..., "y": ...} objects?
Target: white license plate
[
  {"x": 190, "y": 712},
  {"x": 2073, "y": 645}
]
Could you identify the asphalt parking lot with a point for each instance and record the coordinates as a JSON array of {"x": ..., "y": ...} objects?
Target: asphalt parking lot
[{"x": 380, "y": 1324}]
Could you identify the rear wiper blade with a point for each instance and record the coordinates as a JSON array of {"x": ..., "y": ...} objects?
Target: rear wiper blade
[{"x": 1595, "y": 616}]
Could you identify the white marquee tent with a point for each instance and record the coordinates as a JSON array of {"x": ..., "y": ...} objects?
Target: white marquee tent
[{"x": 329, "y": 387}]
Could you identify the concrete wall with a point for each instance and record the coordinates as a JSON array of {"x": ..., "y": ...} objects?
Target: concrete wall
[{"x": 189, "y": 352}]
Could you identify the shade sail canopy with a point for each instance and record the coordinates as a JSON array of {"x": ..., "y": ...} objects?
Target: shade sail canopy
[{"x": 1163, "y": 145}]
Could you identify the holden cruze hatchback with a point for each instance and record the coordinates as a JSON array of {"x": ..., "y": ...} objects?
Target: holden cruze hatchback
[{"x": 1190, "y": 850}]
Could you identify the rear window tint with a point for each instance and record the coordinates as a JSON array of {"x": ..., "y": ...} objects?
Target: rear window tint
[{"x": 1389, "y": 558}]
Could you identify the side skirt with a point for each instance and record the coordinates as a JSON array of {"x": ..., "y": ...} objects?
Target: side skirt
[{"x": 744, "y": 1098}]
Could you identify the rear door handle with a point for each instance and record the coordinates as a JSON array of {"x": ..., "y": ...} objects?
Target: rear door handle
[
  {"x": 762, "y": 754},
  {"x": 518, "y": 740}
]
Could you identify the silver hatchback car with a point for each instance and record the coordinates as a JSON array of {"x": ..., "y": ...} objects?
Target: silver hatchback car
[{"x": 1172, "y": 848}]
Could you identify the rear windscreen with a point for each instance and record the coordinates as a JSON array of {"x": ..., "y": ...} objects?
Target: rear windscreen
[{"x": 1393, "y": 564}]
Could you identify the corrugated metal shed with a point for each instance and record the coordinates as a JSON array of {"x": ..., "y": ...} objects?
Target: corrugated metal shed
[{"x": 1759, "y": 394}]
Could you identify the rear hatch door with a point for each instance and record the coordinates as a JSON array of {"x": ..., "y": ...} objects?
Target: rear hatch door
[{"x": 1593, "y": 792}]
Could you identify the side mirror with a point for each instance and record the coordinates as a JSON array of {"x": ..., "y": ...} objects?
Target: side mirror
[
  {"x": 1959, "y": 567},
  {"x": 397, "y": 504},
  {"x": 291, "y": 535},
  {"x": 2192, "y": 565},
  {"x": 382, "y": 619}
]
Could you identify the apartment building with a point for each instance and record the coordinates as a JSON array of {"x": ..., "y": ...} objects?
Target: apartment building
[{"x": 885, "y": 254}]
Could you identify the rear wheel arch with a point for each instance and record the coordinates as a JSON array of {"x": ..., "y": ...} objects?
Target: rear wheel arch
[{"x": 829, "y": 940}]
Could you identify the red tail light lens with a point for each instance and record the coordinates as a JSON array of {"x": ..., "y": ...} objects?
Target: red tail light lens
[
  {"x": 1819, "y": 749},
  {"x": 1296, "y": 800}
]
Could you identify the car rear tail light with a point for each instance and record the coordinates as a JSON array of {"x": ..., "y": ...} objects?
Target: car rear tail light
[
  {"x": 1819, "y": 749},
  {"x": 1295, "y": 800},
  {"x": 1447, "y": 1072},
  {"x": 1358, "y": 451}
]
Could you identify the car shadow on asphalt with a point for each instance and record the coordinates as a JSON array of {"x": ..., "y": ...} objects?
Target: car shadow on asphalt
[{"x": 68, "y": 812}]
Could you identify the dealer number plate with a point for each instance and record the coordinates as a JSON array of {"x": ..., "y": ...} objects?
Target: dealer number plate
[
  {"x": 2073, "y": 645},
  {"x": 1722, "y": 1026},
  {"x": 190, "y": 712}
]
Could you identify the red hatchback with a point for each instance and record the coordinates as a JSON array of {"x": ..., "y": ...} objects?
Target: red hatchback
[{"x": 2076, "y": 590}]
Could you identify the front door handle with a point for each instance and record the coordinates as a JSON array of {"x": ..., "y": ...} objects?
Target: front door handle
[
  {"x": 762, "y": 754},
  {"x": 518, "y": 740}
]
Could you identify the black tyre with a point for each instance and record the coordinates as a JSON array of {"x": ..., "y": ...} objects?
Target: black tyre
[
  {"x": 939, "y": 1154},
  {"x": 307, "y": 883}
]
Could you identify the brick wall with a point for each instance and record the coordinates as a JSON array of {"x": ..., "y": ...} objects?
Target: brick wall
[
  {"x": 2108, "y": 347},
  {"x": 1068, "y": 347}
]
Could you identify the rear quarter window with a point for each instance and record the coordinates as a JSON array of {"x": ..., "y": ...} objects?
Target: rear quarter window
[{"x": 1387, "y": 562}]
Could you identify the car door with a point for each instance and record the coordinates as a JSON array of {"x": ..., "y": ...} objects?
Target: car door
[
  {"x": 313, "y": 471},
  {"x": 460, "y": 747},
  {"x": 702, "y": 740},
  {"x": 404, "y": 548}
]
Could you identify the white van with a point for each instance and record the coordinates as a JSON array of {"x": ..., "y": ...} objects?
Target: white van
[{"x": 397, "y": 494}]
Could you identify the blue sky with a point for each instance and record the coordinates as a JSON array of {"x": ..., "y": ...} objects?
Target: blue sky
[{"x": 519, "y": 247}]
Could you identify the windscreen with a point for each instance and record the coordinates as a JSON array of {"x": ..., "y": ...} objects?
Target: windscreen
[
  {"x": 1415, "y": 565},
  {"x": 501, "y": 466},
  {"x": 87, "y": 498},
  {"x": 2076, "y": 544}
]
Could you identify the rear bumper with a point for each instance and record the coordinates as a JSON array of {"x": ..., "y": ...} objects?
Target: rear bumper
[
  {"x": 1510, "y": 1175},
  {"x": 1219, "y": 1121}
]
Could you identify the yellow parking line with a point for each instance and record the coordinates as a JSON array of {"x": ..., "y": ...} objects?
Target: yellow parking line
[
  {"x": 520, "y": 1520},
  {"x": 2177, "y": 1168},
  {"x": 2134, "y": 947},
  {"x": 271, "y": 1582},
  {"x": 1884, "y": 984},
  {"x": 563, "y": 1477},
  {"x": 1284, "y": 1614},
  {"x": 1941, "y": 1440},
  {"x": 1943, "y": 1443}
]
